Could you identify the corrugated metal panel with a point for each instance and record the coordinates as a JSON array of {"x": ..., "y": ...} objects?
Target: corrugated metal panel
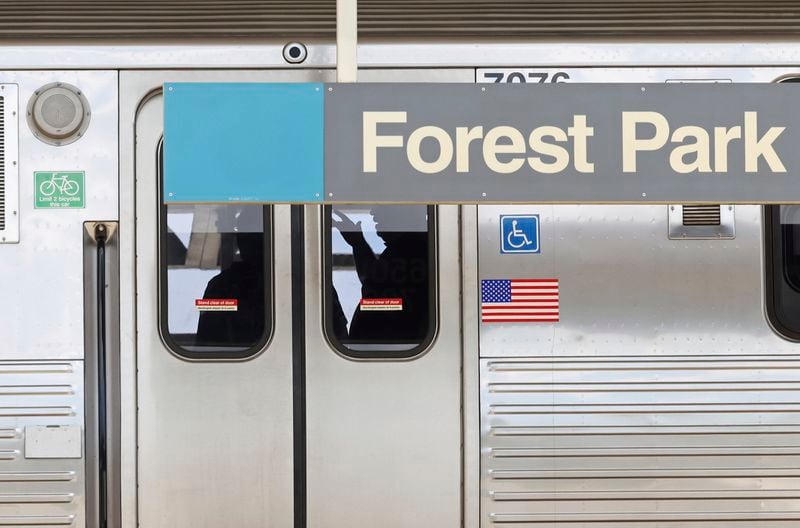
[
  {"x": 264, "y": 19},
  {"x": 640, "y": 441},
  {"x": 39, "y": 491}
]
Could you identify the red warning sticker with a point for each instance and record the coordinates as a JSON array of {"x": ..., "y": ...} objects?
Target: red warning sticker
[
  {"x": 381, "y": 305},
  {"x": 216, "y": 305}
]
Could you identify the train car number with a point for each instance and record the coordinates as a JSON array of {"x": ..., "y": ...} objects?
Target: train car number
[{"x": 522, "y": 76}]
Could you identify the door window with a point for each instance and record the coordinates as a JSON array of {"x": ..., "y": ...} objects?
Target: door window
[{"x": 380, "y": 288}]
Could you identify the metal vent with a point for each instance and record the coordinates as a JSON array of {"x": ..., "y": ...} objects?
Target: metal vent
[
  {"x": 702, "y": 221},
  {"x": 9, "y": 172},
  {"x": 2, "y": 163},
  {"x": 701, "y": 215},
  {"x": 406, "y": 19}
]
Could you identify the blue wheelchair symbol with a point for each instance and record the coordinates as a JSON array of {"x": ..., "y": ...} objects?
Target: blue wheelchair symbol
[{"x": 520, "y": 234}]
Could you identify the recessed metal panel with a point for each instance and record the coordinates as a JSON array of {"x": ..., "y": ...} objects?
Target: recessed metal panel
[
  {"x": 687, "y": 222},
  {"x": 53, "y": 441}
]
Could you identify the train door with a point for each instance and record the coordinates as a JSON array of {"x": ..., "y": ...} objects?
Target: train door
[
  {"x": 383, "y": 359},
  {"x": 214, "y": 382}
]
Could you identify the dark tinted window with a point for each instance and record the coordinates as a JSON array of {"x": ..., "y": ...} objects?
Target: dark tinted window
[
  {"x": 380, "y": 288},
  {"x": 783, "y": 268},
  {"x": 216, "y": 293}
]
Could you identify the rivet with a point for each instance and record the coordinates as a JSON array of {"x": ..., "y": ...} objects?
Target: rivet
[
  {"x": 330, "y": 88},
  {"x": 483, "y": 194},
  {"x": 644, "y": 89},
  {"x": 644, "y": 195},
  {"x": 330, "y": 195}
]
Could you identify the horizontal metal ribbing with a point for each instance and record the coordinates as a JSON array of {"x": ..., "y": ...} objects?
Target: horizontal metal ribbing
[{"x": 260, "y": 19}]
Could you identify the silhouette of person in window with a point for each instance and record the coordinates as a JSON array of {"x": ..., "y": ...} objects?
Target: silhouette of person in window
[
  {"x": 399, "y": 272},
  {"x": 242, "y": 280}
]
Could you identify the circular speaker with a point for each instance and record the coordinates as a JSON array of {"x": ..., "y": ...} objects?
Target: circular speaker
[{"x": 58, "y": 113}]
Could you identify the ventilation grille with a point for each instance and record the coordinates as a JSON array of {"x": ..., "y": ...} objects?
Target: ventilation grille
[
  {"x": 259, "y": 19},
  {"x": 2, "y": 164},
  {"x": 701, "y": 215},
  {"x": 701, "y": 222}
]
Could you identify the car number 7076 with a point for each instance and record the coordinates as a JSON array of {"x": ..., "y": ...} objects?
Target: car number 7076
[{"x": 521, "y": 76}]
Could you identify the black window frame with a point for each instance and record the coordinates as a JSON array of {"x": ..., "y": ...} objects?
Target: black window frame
[
  {"x": 777, "y": 283},
  {"x": 163, "y": 300},
  {"x": 433, "y": 296}
]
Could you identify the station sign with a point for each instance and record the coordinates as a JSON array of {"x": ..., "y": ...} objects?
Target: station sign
[{"x": 468, "y": 143}]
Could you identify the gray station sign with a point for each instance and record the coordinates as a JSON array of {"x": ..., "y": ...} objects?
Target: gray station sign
[{"x": 568, "y": 143}]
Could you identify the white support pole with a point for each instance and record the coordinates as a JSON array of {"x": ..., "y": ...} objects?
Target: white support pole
[{"x": 346, "y": 40}]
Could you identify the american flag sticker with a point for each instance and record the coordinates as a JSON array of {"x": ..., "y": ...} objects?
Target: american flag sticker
[{"x": 519, "y": 301}]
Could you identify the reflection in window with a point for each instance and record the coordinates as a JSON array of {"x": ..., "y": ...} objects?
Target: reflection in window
[
  {"x": 380, "y": 296},
  {"x": 215, "y": 278}
]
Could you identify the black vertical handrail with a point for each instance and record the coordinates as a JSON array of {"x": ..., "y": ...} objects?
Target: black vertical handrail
[
  {"x": 299, "y": 365},
  {"x": 101, "y": 236}
]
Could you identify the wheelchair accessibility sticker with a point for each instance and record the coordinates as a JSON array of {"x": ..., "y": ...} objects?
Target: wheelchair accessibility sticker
[{"x": 519, "y": 234}]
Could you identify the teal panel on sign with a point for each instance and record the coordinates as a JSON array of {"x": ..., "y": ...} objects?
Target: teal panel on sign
[{"x": 250, "y": 142}]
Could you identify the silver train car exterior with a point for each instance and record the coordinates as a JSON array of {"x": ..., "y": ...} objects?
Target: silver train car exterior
[{"x": 661, "y": 387}]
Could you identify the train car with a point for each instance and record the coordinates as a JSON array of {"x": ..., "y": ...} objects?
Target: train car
[{"x": 327, "y": 366}]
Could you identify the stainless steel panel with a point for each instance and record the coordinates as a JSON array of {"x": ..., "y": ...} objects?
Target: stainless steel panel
[
  {"x": 44, "y": 487},
  {"x": 626, "y": 289},
  {"x": 470, "y": 313},
  {"x": 384, "y": 437},
  {"x": 640, "y": 439},
  {"x": 47, "y": 265},
  {"x": 566, "y": 71},
  {"x": 384, "y": 450},
  {"x": 661, "y": 398},
  {"x": 264, "y": 383},
  {"x": 756, "y": 57},
  {"x": 214, "y": 438}
]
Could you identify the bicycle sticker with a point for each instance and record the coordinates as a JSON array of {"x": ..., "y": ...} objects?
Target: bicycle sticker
[
  {"x": 381, "y": 305},
  {"x": 519, "y": 234},
  {"x": 59, "y": 190}
]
